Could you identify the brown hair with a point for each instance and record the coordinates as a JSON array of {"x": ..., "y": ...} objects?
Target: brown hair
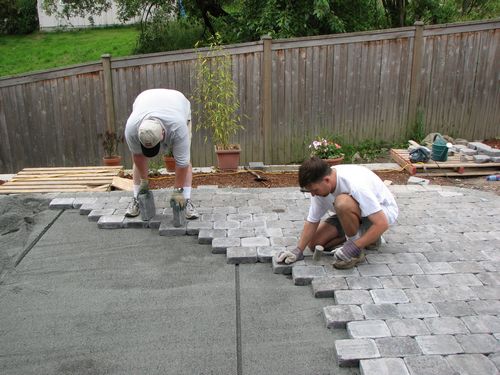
[{"x": 313, "y": 170}]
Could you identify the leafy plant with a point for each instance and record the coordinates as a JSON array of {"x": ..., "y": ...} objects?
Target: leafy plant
[
  {"x": 18, "y": 16},
  {"x": 110, "y": 142},
  {"x": 325, "y": 148},
  {"x": 215, "y": 92}
]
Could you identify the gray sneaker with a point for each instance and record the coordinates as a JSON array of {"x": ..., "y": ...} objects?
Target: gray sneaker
[
  {"x": 133, "y": 209},
  {"x": 191, "y": 212}
]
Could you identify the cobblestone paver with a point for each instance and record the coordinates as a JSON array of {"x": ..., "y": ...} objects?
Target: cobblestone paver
[{"x": 426, "y": 302}]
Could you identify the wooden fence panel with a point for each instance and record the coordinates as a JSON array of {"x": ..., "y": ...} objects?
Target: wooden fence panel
[{"x": 353, "y": 85}]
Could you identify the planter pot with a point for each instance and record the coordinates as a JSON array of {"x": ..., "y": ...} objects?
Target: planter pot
[
  {"x": 169, "y": 163},
  {"x": 228, "y": 160},
  {"x": 334, "y": 161},
  {"x": 112, "y": 161}
]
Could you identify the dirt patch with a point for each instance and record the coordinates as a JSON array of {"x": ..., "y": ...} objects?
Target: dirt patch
[{"x": 290, "y": 179}]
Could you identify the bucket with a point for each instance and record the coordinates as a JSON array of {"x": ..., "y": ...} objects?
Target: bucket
[{"x": 439, "y": 148}]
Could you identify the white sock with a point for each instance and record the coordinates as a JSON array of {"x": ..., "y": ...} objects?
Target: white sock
[
  {"x": 186, "y": 192},
  {"x": 355, "y": 237},
  {"x": 136, "y": 190}
]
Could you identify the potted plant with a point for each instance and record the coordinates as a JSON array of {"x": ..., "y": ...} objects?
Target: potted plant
[
  {"x": 168, "y": 159},
  {"x": 215, "y": 93},
  {"x": 328, "y": 150},
  {"x": 110, "y": 142}
]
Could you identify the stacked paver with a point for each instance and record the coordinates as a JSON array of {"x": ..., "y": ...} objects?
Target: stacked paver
[{"x": 426, "y": 302}]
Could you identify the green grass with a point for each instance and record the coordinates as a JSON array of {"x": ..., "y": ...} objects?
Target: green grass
[{"x": 45, "y": 50}]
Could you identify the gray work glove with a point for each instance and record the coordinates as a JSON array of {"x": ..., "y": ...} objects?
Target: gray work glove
[
  {"x": 177, "y": 199},
  {"x": 290, "y": 256},
  {"x": 144, "y": 186},
  {"x": 347, "y": 252}
]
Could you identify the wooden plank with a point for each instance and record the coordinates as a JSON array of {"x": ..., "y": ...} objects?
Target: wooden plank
[
  {"x": 405, "y": 164},
  {"x": 123, "y": 183},
  {"x": 441, "y": 173}
]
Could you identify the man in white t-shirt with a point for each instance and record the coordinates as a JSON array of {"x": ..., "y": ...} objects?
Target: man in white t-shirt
[
  {"x": 161, "y": 119},
  {"x": 362, "y": 207}
]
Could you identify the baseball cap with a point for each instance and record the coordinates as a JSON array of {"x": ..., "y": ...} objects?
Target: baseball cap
[{"x": 150, "y": 136}]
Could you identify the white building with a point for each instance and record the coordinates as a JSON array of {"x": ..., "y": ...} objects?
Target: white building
[{"x": 53, "y": 22}]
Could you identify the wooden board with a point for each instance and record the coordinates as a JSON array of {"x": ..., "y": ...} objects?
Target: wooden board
[
  {"x": 51, "y": 180},
  {"x": 451, "y": 167}
]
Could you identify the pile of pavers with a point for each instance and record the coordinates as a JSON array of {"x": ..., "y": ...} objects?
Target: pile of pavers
[
  {"x": 476, "y": 151},
  {"x": 426, "y": 302}
]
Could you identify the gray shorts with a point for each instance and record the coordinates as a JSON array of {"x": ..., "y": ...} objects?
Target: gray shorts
[{"x": 364, "y": 224}]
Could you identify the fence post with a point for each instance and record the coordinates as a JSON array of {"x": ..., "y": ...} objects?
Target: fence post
[
  {"x": 108, "y": 93},
  {"x": 418, "y": 42},
  {"x": 266, "y": 97}
]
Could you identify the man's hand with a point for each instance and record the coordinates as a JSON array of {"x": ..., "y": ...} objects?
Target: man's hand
[
  {"x": 177, "y": 199},
  {"x": 144, "y": 186},
  {"x": 290, "y": 256}
]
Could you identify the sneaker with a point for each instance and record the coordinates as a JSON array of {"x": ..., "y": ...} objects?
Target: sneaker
[
  {"x": 191, "y": 212},
  {"x": 133, "y": 209}
]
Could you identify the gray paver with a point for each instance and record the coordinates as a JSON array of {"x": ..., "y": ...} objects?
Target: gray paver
[
  {"x": 363, "y": 283},
  {"x": 110, "y": 222},
  {"x": 382, "y": 311},
  {"x": 439, "y": 344},
  {"x": 389, "y": 296},
  {"x": 489, "y": 278},
  {"x": 383, "y": 366},
  {"x": 206, "y": 236},
  {"x": 226, "y": 224},
  {"x": 135, "y": 222},
  {"x": 374, "y": 270},
  {"x": 337, "y": 316},
  {"x": 472, "y": 364},
  {"x": 407, "y": 327},
  {"x": 482, "y": 323},
  {"x": 417, "y": 310},
  {"x": 194, "y": 226},
  {"x": 428, "y": 365},
  {"x": 445, "y": 326},
  {"x": 303, "y": 275},
  {"x": 478, "y": 343},
  {"x": 61, "y": 203},
  {"x": 396, "y": 282},
  {"x": 398, "y": 347},
  {"x": 495, "y": 358},
  {"x": 255, "y": 241},
  {"x": 436, "y": 268},
  {"x": 424, "y": 295},
  {"x": 350, "y": 352},
  {"x": 241, "y": 255},
  {"x": 95, "y": 215},
  {"x": 453, "y": 308},
  {"x": 486, "y": 292},
  {"x": 220, "y": 244},
  {"x": 401, "y": 269},
  {"x": 78, "y": 202},
  {"x": 430, "y": 281},
  {"x": 352, "y": 297},
  {"x": 325, "y": 287},
  {"x": 463, "y": 279},
  {"x": 485, "y": 307},
  {"x": 365, "y": 329}
]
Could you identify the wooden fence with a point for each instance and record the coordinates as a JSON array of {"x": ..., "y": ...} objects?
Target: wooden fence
[{"x": 368, "y": 85}]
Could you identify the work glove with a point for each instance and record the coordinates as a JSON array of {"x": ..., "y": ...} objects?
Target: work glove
[
  {"x": 144, "y": 186},
  {"x": 290, "y": 256},
  {"x": 177, "y": 199},
  {"x": 348, "y": 251}
]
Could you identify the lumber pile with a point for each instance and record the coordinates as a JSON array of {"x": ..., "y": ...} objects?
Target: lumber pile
[
  {"x": 454, "y": 166},
  {"x": 51, "y": 180}
]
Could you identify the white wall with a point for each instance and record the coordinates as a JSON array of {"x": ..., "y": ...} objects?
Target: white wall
[{"x": 52, "y": 22}]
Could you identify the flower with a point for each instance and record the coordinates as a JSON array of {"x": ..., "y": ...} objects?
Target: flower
[{"x": 325, "y": 149}]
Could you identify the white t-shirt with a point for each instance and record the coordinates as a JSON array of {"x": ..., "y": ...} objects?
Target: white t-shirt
[
  {"x": 364, "y": 186},
  {"x": 173, "y": 110}
]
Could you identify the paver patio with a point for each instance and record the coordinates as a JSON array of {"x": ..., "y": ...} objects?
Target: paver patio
[{"x": 429, "y": 297}]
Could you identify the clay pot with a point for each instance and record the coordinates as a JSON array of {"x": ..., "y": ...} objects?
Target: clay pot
[
  {"x": 334, "y": 161},
  {"x": 112, "y": 161},
  {"x": 228, "y": 160},
  {"x": 169, "y": 163}
]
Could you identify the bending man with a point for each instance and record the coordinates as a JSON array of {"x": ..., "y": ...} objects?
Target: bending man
[
  {"x": 161, "y": 119},
  {"x": 362, "y": 206}
]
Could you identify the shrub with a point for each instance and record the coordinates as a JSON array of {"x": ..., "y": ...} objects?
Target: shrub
[
  {"x": 166, "y": 34},
  {"x": 18, "y": 16}
]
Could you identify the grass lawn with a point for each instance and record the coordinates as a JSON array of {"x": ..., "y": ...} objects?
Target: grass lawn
[{"x": 45, "y": 50}]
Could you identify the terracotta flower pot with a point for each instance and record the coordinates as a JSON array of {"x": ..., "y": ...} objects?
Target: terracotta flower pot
[
  {"x": 169, "y": 163},
  {"x": 334, "y": 161},
  {"x": 228, "y": 160},
  {"x": 112, "y": 161}
]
